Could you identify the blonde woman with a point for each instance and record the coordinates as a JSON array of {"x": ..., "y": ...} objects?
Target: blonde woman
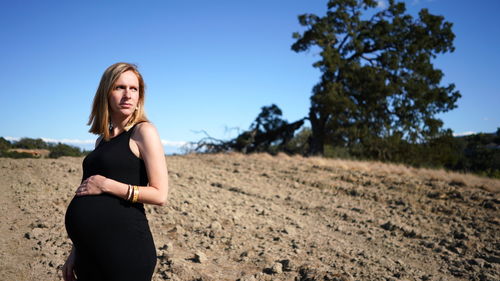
[{"x": 106, "y": 220}]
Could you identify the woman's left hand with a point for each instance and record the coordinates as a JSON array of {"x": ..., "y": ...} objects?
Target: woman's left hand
[{"x": 91, "y": 186}]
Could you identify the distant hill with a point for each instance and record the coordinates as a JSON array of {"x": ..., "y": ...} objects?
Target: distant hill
[{"x": 36, "y": 148}]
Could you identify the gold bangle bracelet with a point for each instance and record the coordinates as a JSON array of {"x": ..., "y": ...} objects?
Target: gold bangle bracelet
[
  {"x": 129, "y": 193},
  {"x": 136, "y": 194}
]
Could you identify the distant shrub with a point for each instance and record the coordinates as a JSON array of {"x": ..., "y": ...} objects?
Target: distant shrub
[
  {"x": 36, "y": 148},
  {"x": 337, "y": 152},
  {"x": 29, "y": 143},
  {"x": 299, "y": 144},
  {"x": 4, "y": 144},
  {"x": 61, "y": 149},
  {"x": 15, "y": 154}
]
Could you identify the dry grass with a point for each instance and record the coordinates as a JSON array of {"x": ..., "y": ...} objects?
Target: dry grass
[{"x": 377, "y": 167}]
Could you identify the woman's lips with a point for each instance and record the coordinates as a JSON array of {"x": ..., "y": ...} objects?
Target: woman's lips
[{"x": 126, "y": 105}]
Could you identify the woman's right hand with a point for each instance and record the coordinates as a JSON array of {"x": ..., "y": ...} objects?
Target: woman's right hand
[{"x": 68, "y": 267}]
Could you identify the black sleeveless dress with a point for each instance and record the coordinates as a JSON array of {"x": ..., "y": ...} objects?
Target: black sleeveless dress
[{"x": 111, "y": 235}]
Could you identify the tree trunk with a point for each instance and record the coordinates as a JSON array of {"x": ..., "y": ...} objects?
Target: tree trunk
[{"x": 317, "y": 138}]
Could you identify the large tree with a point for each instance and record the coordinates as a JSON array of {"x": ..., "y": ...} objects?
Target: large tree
[{"x": 378, "y": 81}]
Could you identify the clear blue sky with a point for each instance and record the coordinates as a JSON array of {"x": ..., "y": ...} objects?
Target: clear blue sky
[{"x": 208, "y": 65}]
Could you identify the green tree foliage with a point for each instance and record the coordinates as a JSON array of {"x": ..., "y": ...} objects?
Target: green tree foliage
[
  {"x": 56, "y": 150},
  {"x": 299, "y": 144},
  {"x": 443, "y": 151},
  {"x": 378, "y": 89},
  {"x": 269, "y": 119},
  {"x": 61, "y": 149},
  {"x": 4, "y": 144},
  {"x": 26, "y": 143},
  {"x": 480, "y": 154},
  {"x": 266, "y": 132},
  {"x": 267, "y": 122},
  {"x": 15, "y": 154},
  {"x": 29, "y": 143}
]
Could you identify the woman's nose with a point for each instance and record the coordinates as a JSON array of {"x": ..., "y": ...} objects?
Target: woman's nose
[{"x": 127, "y": 92}]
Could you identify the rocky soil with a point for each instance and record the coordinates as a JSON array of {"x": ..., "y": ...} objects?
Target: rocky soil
[{"x": 259, "y": 217}]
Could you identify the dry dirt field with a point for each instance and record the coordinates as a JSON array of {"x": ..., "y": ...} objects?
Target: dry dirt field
[{"x": 259, "y": 217}]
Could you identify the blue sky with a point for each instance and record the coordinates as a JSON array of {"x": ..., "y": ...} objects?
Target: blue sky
[{"x": 208, "y": 65}]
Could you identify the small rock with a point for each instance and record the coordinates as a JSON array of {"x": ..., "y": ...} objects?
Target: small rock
[
  {"x": 177, "y": 229},
  {"x": 277, "y": 268},
  {"x": 492, "y": 259},
  {"x": 287, "y": 265},
  {"x": 459, "y": 235},
  {"x": 260, "y": 276},
  {"x": 425, "y": 277},
  {"x": 436, "y": 195},
  {"x": 358, "y": 210},
  {"x": 353, "y": 192},
  {"x": 485, "y": 277},
  {"x": 400, "y": 202},
  {"x": 167, "y": 246},
  {"x": 477, "y": 262},
  {"x": 489, "y": 204},
  {"x": 409, "y": 234},
  {"x": 165, "y": 252},
  {"x": 200, "y": 257},
  {"x": 388, "y": 226},
  {"x": 215, "y": 225},
  {"x": 459, "y": 183},
  {"x": 426, "y": 244},
  {"x": 36, "y": 232},
  {"x": 247, "y": 278},
  {"x": 243, "y": 256},
  {"x": 288, "y": 230}
]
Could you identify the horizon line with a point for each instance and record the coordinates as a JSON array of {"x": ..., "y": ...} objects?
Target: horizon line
[{"x": 177, "y": 144}]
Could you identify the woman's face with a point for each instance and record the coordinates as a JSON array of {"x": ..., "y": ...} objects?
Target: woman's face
[{"x": 124, "y": 95}]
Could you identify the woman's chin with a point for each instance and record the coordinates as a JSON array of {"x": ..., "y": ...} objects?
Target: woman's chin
[{"x": 124, "y": 112}]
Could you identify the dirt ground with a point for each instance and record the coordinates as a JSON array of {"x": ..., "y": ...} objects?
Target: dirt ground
[{"x": 261, "y": 217}]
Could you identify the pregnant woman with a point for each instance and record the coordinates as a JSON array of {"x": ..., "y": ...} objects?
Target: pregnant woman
[{"x": 106, "y": 220}]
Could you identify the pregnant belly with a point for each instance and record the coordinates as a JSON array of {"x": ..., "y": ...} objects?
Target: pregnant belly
[{"x": 101, "y": 217}]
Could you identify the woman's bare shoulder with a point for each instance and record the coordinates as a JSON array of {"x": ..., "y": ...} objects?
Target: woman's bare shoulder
[
  {"x": 145, "y": 127},
  {"x": 145, "y": 131},
  {"x": 148, "y": 140}
]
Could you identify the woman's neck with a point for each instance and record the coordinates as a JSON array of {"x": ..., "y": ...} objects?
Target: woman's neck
[{"x": 118, "y": 124}]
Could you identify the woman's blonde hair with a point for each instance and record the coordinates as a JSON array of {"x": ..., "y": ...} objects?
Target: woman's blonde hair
[{"x": 100, "y": 116}]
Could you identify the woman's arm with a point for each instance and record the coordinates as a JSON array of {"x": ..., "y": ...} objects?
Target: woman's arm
[{"x": 151, "y": 150}]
